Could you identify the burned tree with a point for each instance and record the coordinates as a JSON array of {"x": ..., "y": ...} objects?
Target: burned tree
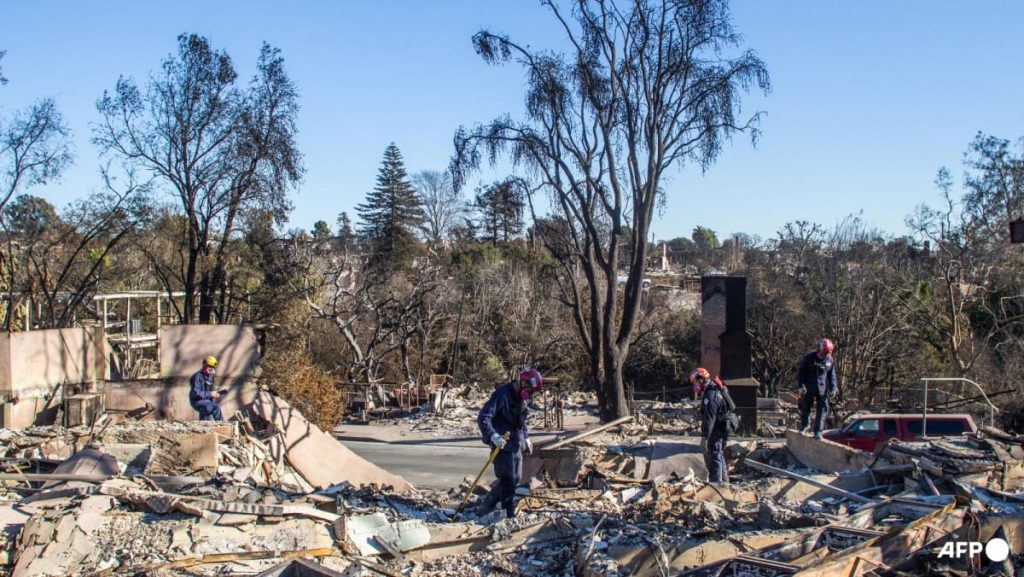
[
  {"x": 442, "y": 205},
  {"x": 35, "y": 148},
  {"x": 644, "y": 87},
  {"x": 220, "y": 150}
]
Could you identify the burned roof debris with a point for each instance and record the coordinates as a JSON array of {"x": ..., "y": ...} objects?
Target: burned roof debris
[{"x": 268, "y": 493}]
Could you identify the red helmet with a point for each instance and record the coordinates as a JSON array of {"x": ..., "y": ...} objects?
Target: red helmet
[
  {"x": 825, "y": 347},
  {"x": 531, "y": 381},
  {"x": 699, "y": 378}
]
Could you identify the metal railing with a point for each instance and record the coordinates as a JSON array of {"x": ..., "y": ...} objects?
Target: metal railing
[{"x": 924, "y": 408}]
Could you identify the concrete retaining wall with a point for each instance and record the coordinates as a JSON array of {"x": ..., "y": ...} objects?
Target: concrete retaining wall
[{"x": 825, "y": 455}]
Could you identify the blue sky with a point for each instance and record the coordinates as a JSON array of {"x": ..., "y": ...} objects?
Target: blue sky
[{"x": 869, "y": 98}]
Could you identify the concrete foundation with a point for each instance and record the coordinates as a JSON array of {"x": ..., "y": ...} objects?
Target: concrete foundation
[{"x": 825, "y": 455}]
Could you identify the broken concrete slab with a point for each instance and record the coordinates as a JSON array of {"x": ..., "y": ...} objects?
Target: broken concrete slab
[
  {"x": 793, "y": 490},
  {"x": 373, "y": 535},
  {"x": 88, "y": 462},
  {"x": 676, "y": 457},
  {"x": 809, "y": 481},
  {"x": 453, "y": 539},
  {"x": 825, "y": 455},
  {"x": 59, "y": 542},
  {"x": 133, "y": 458},
  {"x": 197, "y": 452},
  {"x": 318, "y": 457},
  {"x": 12, "y": 521},
  {"x": 563, "y": 466}
]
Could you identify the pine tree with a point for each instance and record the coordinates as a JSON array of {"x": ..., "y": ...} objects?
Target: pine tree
[
  {"x": 500, "y": 207},
  {"x": 345, "y": 232},
  {"x": 391, "y": 213},
  {"x": 321, "y": 230}
]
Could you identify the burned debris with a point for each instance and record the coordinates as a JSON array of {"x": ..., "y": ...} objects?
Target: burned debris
[{"x": 259, "y": 495}]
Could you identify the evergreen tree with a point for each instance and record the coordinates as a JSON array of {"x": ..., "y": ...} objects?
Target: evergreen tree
[
  {"x": 345, "y": 232},
  {"x": 391, "y": 213},
  {"x": 321, "y": 230},
  {"x": 501, "y": 207}
]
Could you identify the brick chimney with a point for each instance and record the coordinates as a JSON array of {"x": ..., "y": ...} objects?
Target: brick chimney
[{"x": 725, "y": 344}]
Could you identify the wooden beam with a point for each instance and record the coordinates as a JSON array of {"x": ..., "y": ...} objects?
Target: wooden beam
[{"x": 587, "y": 433}]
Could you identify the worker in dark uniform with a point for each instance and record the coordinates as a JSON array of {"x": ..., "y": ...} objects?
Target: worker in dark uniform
[
  {"x": 714, "y": 432},
  {"x": 202, "y": 396},
  {"x": 816, "y": 377},
  {"x": 505, "y": 413}
]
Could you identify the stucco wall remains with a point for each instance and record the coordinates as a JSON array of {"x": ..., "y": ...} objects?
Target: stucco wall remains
[
  {"x": 34, "y": 361},
  {"x": 169, "y": 397},
  {"x": 183, "y": 348},
  {"x": 34, "y": 365}
]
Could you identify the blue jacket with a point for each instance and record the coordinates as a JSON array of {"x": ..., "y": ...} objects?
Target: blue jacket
[
  {"x": 200, "y": 387},
  {"x": 817, "y": 375},
  {"x": 504, "y": 412},
  {"x": 713, "y": 410}
]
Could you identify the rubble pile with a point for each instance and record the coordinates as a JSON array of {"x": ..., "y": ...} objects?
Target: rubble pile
[
  {"x": 663, "y": 418},
  {"x": 34, "y": 443},
  {"x": 462, "y": 404},
  {"x": 994, "y": 459},
  {"x": 269, "y": 491}
]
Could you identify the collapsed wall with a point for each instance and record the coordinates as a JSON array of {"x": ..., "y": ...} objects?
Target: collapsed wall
[{"x": 317, "y": 456}]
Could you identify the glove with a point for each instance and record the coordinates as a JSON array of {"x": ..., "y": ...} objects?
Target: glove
[
  {"x": 529, "y": 447},
  {"x": 703, "y": 445},
  {"x": 497, "y": 442}
]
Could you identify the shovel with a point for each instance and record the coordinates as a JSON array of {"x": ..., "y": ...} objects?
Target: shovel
[{"x": 494, "y": 453}]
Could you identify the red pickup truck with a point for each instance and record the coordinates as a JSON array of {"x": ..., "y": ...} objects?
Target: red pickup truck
[{"x": 868, "y": 432}]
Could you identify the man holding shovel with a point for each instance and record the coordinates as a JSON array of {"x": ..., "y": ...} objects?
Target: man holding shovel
[{"x": 504, "y": 417}]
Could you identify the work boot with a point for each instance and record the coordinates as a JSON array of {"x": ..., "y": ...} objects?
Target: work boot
[{"x": 486, "y": 505}]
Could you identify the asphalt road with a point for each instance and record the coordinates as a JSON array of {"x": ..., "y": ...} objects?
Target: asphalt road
[{"x": 427, "y": 465}]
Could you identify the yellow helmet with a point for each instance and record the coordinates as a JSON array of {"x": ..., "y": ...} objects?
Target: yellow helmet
[{"x": 211, "y": 361}]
